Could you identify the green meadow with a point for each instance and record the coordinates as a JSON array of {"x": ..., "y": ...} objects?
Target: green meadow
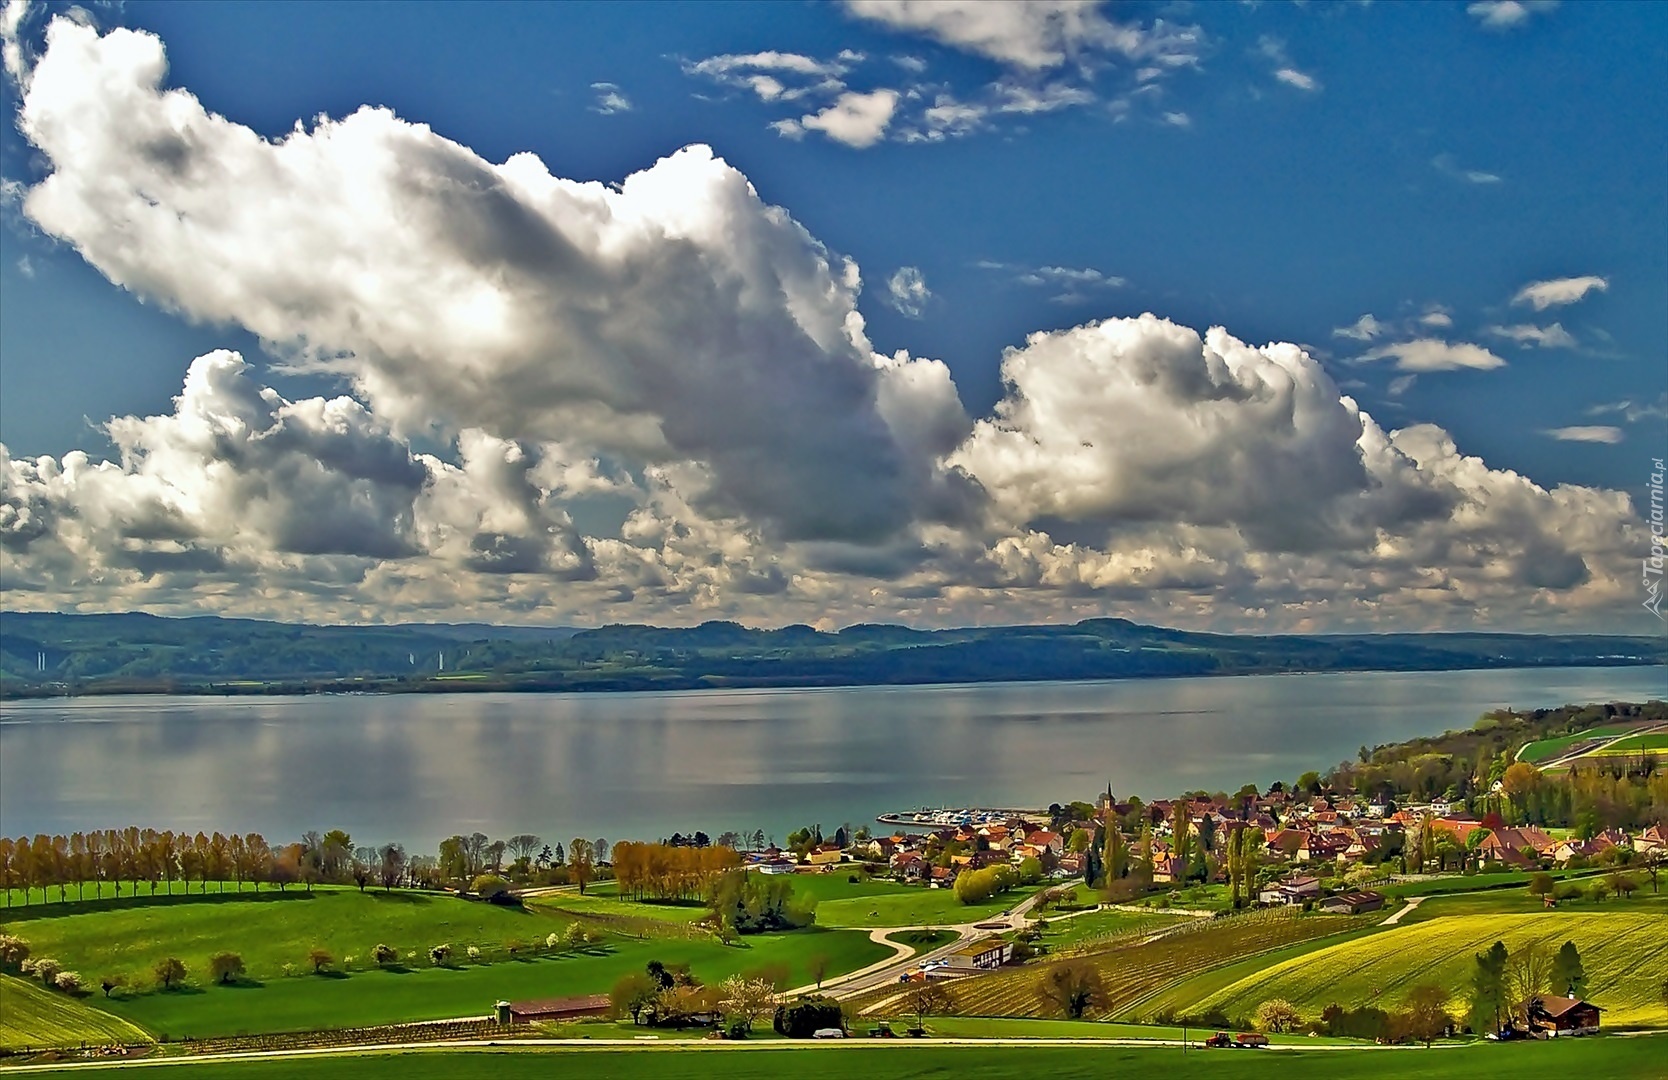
[
  {"x": 279, "y": 992},
  {"x": 1605, "y": 1056}
]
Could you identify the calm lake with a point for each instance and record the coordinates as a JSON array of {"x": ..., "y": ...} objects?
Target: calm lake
[{"x": 416, "y": 768}]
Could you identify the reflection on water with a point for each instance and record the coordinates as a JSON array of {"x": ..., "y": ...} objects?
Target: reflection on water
[{"x": 416, "y": 768}]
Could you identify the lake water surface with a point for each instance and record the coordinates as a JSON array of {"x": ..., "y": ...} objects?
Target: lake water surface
[{"x": 416, "y": 768}]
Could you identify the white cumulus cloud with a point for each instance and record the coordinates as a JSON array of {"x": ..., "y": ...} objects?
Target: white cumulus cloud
[{"x": 857, "y": 120}]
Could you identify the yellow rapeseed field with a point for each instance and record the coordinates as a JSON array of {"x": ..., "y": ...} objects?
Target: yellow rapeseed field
[{"x": 1624, "y": 954}]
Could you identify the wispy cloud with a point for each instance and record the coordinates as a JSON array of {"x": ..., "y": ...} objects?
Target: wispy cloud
[
  {"x": 1434, "y": 354},
  {"x": 1363, "y": 329},
  {"x": 609, "y": 99},
  {"x": 1634, "y": 412},
  {"x": 1074, "y": 283},
  {"x": 1586, "y": 434},
  {"x": 1444, "y": 164},
  {"x": 907, "y": 292},
  {"x": 1557, "y": 292},
  {"x": 1543, "y": 337}
]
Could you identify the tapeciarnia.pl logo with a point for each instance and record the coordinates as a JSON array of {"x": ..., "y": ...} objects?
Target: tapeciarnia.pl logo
[{"x": 1652, "y": 571}]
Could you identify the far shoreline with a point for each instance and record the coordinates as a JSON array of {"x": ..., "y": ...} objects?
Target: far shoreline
[{"x": 469, "y": 685}]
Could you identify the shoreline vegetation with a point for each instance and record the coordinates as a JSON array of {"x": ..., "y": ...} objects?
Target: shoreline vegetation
[{"x": 58, "y": 655}]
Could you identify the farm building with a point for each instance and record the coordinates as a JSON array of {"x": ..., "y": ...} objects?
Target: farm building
[
  {"x": 1550, "y": 1015},
  {"x": 1352, "y": 903},
  {"x": 984, "y": 955},
  {"x": 568, "y": 1008}
]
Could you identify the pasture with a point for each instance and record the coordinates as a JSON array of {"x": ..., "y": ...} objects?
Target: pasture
[
  {"x": 280, "y": 992},
  {"x": 33, "y": 1016},
  {"x": 1622, "y": 952},
  {"x": 1637, "y": 1058}
]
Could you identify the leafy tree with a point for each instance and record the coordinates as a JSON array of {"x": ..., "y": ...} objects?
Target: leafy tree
[
  {"x": 633, "y": 992},
  {"x": 1277, "y": 1015},
  {"x": 385, "y": 955},
  {"x": 1488, "y": 988},
  {"x": 1568, "y": 975},
  {"x": 169, "y": 972},
  {"x": 1541, "y": 884},
  {"x": 13, "y": 951},
  {"x": 579, "y": 862},
  {"x": 225, "y": 967},
  {"x": 928, "y": 999},
  {"x": 805, "y": 1017},
  {"x": 493, "y": 889},
  {"x": 111, "y": 983},
  {"x": 575, "y": 935},
  {"x": 746, "y": 1001},
  {"x": 1528, "y": 974},
  {"x": 1073, "y": 987},
  {"x": 440, "y": 955},
  {"x": 1427, "y": 1015},
  {"x": 391, "y": 865}
]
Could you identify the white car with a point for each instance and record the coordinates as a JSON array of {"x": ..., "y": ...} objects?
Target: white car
[{"x": 828, "y": 1033}]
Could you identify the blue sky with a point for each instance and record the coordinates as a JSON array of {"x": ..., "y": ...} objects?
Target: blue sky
[{"x": 1278, "y": 170}]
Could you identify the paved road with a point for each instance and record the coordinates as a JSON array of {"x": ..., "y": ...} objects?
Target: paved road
[{"x": 1412, "y": 902}]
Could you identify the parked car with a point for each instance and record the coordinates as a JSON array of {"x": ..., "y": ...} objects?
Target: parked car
[{"x": 828, "y": 1033}]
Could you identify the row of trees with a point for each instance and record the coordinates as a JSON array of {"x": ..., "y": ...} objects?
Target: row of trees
[
  {"x": 134, "y": 859},
  {"x": 669, "y": 873},
  {"x": 743, "y": 903}
]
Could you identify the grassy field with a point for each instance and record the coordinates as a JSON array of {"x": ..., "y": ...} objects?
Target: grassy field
[
  {"x": 1547, "y": 749},
  {"x": 1656, "y": 741},
  {"x": 386, "y": 997},
  {"x": 866, "y": 903},
  {"x": 1519, "y": 902},
  {"x": 273, "y": 930},
  {"x": 1185, "y": 997},
  {"x": 1622, "y": 952},
  {"x": 1132, "y": 972},
  {"x": 270, "y": 933},
  {"x": 1636, "y": 1058},
  {"x": 32, "y": 1016}
]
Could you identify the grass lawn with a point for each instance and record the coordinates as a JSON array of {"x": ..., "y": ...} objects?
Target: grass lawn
[
  {"x": 1621, "y": 951},
  {"x": 1519, "y": 902},
  {"x": 878, "y": 903},
  {"x": 976, "y": 1027},
  {"x": 32, "y": 1016},
  {"x": 1637, "y": 1058},
  {"x": 867, "y": 903}
]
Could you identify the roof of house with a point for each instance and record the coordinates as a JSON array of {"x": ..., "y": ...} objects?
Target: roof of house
[
  {"x": 1356, "y": 899},
  {"x": 560, "y": 1005},
  {"x": 981, "y": 948},
  {"x": 1554, "y": 1006}
]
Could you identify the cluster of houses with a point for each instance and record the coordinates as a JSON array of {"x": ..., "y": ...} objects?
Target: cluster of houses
[{"x": 1324, "y": 834}]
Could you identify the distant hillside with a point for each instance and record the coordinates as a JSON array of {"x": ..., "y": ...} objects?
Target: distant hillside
[{"x": 136, "y": 653}]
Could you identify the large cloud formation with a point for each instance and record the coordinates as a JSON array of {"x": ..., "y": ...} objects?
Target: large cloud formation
[{"x": 658, "y": 401}]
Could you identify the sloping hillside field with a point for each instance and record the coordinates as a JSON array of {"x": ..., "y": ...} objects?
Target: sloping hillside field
[
  {"x": 1625, "y": 955},
  {"x": 32, "y": 1016}
]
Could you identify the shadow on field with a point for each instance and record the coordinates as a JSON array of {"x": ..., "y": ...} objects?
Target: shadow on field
[{"x": 115, "y": 903}]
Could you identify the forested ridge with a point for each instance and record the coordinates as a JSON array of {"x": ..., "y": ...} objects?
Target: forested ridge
[{"x": 137, "y": 653}]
